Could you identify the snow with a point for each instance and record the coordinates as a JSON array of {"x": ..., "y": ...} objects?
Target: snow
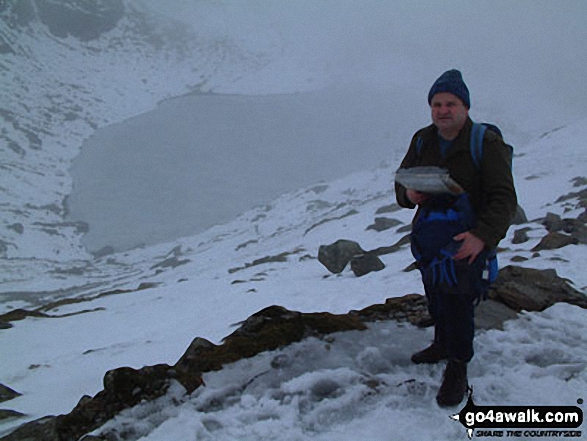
[
  {"x": 361, "y": 384},
  {"x": 353, "y": 384},
  {"x": 348, "y": 386}
]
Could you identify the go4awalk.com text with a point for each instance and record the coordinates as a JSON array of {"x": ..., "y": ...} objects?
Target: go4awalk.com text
[{"x": 525, "y": 422}]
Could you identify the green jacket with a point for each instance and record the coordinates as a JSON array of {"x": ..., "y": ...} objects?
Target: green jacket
[{"x": 490, "y": 186}]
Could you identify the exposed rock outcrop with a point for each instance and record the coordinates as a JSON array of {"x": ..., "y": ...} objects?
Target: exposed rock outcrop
[{"x": 533, "y": 290}]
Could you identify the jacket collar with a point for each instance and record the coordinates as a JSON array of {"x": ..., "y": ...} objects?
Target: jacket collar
[{"x": 462, "y": 141}]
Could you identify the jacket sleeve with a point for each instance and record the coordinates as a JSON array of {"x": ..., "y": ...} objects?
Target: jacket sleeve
[
  {"x": 408, "y": 161},
  {"x": 499, "y": 199}
]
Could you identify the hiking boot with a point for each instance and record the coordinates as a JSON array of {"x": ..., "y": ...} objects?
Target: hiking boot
[
  {"x": 454, "y": 384},
  {"x": 432, "y": 354}
]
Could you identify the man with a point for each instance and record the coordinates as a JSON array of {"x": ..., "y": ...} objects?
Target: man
[{"x": 490, "y": 194}]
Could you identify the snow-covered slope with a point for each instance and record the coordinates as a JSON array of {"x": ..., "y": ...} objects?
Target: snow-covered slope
[
  {"x": 68, "y": 68},
  {"x": 202, "y": 286},
  {"x": 145, "y": 306}
]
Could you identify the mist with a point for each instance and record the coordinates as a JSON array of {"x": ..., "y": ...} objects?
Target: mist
[{"x": 365, "y": 70}]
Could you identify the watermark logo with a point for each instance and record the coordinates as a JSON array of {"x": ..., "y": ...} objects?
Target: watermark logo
[{"x": 520, "y": 421}]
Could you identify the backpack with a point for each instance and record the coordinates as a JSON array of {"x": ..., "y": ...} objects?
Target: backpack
[
  {"x": 476, "y": 142},
  {"x": 438, "y": 222}
]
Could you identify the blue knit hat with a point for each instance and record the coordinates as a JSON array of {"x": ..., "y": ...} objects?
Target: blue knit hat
[{"x": 452, "y": 82}]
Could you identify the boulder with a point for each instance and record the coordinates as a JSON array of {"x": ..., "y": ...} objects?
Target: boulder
[
  {"x": 491, "y": 314},
  {"x": 365, "y": 264},
  {"x": 521, "y": 236},
  {"x": 335, "y": 257},
  {"x": 574, "y": 227},
  {"x": 520, "y": 217},
  {"x": 533, "y": 290},
  {"x": 554, "y": 240}
]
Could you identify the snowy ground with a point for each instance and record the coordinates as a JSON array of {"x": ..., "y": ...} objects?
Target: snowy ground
[
  {"x": 60, "y": 90},
  {"x": 364, "y": 385}
]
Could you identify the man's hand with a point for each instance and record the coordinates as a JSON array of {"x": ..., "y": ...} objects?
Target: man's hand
[
  {"x": 416, "y": 197},
  {"x": 470, "y": 248}
]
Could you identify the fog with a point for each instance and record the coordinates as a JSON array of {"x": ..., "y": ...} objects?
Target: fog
[
  {"x": 510, "y": 52},
  {"x": 197, "y": 161}
]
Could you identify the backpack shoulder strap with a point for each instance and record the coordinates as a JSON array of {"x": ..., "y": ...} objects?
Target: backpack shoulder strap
[
  {"x": 419, "y": 145},
  {"x": 476, "y": 144}
]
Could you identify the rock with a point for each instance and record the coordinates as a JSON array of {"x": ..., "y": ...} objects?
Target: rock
[
  {"x": 336, "y": 256},
  {"x": 7, "y": 393},
  {"x": 412, "y": 308},
  {"x": 267, "y": 330},
  {"x": 552, "y": 222},
  {"x": 123, "y": 388},
  {"x": 491, "y": 314},
  {"x": 576, "y": 228},
  {"x": 19, "y": 314},
  {"x": 7, "y": 414},
  {"x": 366, "y": 263},
  {"x": 171, "y": 262},
  {"x": 533, "y": 290},
  {"x": 519, "y": 259},
  {"x": 520, "y": 217},
  {"x": 388, "y": 209},
  {"x": 274, "y": 327},
  {"x": 383, "y": 224},
  {"x": 521, "y": 236},
  {"x": 43, "y": 429},
  {"x": 553, "y": 241}
]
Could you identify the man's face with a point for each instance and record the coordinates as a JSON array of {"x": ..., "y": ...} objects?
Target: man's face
[{"x": 449, "y": 114}]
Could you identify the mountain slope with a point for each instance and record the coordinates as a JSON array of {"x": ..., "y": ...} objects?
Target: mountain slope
[{"x": 202, "y": 286}]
